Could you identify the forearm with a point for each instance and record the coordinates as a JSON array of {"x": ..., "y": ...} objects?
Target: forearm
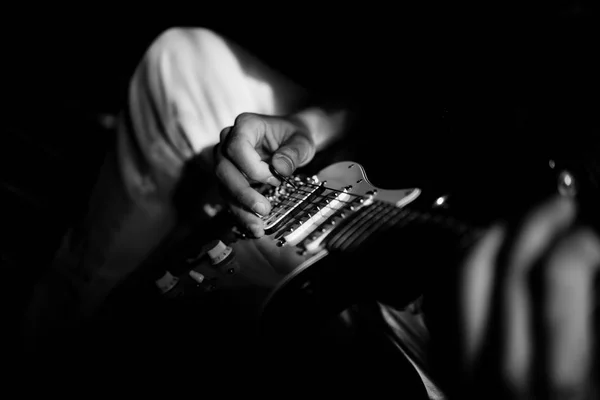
[{"x": 326, "y": 121}]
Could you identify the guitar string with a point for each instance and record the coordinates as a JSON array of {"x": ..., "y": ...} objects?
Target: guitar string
[
  {"x": 321, "y": 185},
  {"x": 309, "y": 193},
  {"x": 364, "y": 215},
  {"x": 378, "y": 208},
  {"x": 371, "y": 218},
  {"x": 306, "y": 202},
  {"x": 359, "y": 225},
  {"x": 366, "y": 229},
  {"x": 303, "y": 203},
  {"x": 321, "y": 199},
  {"x": 368, "y": 220},
  {"x": 300, "y": 190}
]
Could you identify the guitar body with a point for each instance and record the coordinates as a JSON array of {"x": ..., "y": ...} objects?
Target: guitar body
[{"x": 304, "y": 213}]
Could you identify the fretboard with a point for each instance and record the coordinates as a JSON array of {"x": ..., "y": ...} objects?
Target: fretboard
[{"x": 379, "y": 217}]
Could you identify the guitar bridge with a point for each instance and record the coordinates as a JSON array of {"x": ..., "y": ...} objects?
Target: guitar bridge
[{"x": 287, "y": 201}]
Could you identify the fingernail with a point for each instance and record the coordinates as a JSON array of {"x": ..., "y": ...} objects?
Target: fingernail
[
  {"x": 273, "y": 181},
  {"x": 256, "y": 230},
  {"x": 260, "y": 208},
  {"x": 288, "y": 168}
]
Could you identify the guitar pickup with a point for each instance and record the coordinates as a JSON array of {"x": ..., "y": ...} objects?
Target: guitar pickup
[
  {"x": 316, "y": 240},
  {"x": 290, "y": 205},
  {"x": 310, "y": 225}
]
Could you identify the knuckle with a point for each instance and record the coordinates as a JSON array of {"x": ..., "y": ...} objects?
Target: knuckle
[
  {"x": 245, "y": 118},
  {"x": 244, "y": 197},
  {"x": 246, "y": 123},
  {"x": 238, "y": 197},
  {"x": 252, "y": 172},
  {"x": 224, "y": 133},
  {"x": 232, "y": 149}
]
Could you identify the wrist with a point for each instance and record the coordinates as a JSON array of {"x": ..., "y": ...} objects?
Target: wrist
[{"x": 324, "y": 126}]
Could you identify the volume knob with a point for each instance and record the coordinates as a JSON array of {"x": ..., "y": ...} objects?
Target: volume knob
[
  {"x": 222, "y": 257},
  {"x": 219, "y": 253},
  {"x": 167, "y": 283}
]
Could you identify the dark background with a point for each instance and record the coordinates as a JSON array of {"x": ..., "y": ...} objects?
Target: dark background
[
  {"x": 506, "y": 77},
  {"x": 80, "y": 58}
]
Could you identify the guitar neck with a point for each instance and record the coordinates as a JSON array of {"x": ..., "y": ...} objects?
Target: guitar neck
[
  {"x": 381, "y": 218},
  {"x": 381, "y": 252}
]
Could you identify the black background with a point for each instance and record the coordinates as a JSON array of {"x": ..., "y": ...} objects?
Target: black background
[{"x": 61, "y": 57}]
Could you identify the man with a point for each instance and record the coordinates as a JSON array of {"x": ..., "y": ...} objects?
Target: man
[{"x": 196, "y": 95}]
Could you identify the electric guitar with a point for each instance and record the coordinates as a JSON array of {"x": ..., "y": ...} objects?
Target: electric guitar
[
  {"x": 311, "y": 218},
  {"x": 331, "y": 239}
]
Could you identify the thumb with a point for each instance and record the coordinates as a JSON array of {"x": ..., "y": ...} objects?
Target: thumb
[{"x": 295, "y": 152}]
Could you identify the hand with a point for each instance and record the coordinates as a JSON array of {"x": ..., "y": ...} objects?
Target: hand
[
  {"x": 244, "y": 154},
  {"x": 526, "y": 308}
]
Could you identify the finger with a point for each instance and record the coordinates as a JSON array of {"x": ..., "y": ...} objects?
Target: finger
[
  {"x": 569, "y": 281},
  {"x": 295, "y": 152},
  {"x": 249, "y": 221},
  {"x": 224, "y": 133},
  {"x": 241, "y": 148},
  {"x": 224, "y": 138},
  {"x": 237, "y": 186},
  {"x": 532, "y": 241},
  {"x": 479, "y": 274}
]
